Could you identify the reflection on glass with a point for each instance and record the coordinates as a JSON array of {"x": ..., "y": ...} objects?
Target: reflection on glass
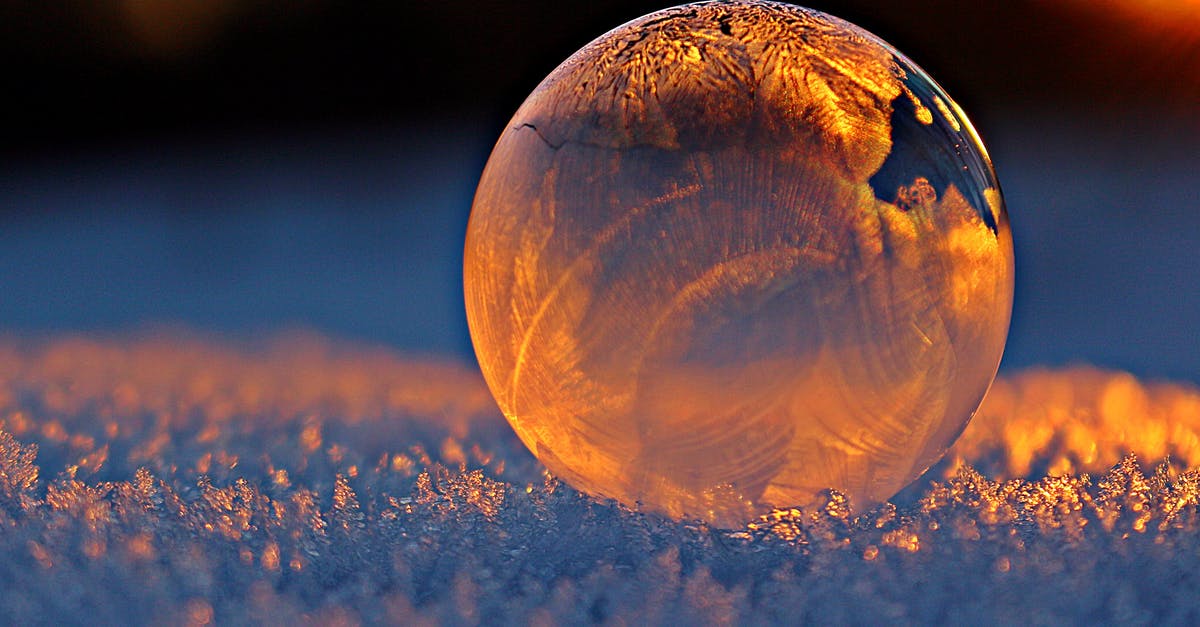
[{"x": 729, "y": 255}]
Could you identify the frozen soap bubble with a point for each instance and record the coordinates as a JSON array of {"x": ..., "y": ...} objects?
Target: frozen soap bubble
[{"x": 731, "y": 254}]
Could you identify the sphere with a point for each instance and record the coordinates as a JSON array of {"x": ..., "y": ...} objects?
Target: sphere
[{"x": 733, "y": 254}]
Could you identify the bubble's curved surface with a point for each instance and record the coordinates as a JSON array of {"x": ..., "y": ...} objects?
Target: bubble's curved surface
[{"x": 731, "y": 254}]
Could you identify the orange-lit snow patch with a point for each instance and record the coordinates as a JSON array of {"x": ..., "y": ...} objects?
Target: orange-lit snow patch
[
  {"x": 188, "y": 481},
  {"x": 182, "y": 380},
  {"x": 1080, "y": 420},
  {"x": 1044, "y": 421}
]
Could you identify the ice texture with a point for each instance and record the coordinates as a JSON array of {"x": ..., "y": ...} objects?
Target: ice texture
[
  {"x": 732, "y": 253},
  {"x": 185, "y": 479}
]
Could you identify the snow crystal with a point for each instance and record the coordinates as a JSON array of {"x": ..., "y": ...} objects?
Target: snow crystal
[{"x": 187, "y": 480}]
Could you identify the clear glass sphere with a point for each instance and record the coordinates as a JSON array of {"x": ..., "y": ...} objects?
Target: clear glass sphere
[{"x": 732, "y": 254}]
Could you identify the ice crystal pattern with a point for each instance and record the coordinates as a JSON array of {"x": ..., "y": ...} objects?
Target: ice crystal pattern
[{"x": 732, "y": 254}]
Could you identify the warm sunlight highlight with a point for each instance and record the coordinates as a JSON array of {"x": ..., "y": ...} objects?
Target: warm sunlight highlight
[
  {"x": 1080, "y": 420},
  {"x": 1178, "y": 16},
  {"x": 179, "y": 382}
]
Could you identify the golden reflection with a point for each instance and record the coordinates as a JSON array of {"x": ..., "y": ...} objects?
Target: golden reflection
[{"x": 728, "y": 256}]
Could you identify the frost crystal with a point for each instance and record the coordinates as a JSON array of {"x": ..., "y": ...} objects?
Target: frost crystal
[{"x": 430, "y": 509}]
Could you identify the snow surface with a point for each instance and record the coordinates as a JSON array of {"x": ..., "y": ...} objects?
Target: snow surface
[{"x": 173, "y": 478}]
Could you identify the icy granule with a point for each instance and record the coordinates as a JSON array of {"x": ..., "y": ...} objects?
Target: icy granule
[{"x": 174, "y": 480}]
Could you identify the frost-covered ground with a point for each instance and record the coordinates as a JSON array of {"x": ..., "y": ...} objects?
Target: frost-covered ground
[{"x": 183, "y": 479}]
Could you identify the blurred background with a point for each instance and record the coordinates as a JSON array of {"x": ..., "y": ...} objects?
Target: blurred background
[{"x": 243, "y": 166}]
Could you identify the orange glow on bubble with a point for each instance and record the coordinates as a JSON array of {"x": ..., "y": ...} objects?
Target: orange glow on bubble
[{"x": 731, "y": 254}]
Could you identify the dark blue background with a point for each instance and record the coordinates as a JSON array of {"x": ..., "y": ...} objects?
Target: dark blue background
[
  {"x": 314, "y": 166},
  {"x": 359, "y": 234}
]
